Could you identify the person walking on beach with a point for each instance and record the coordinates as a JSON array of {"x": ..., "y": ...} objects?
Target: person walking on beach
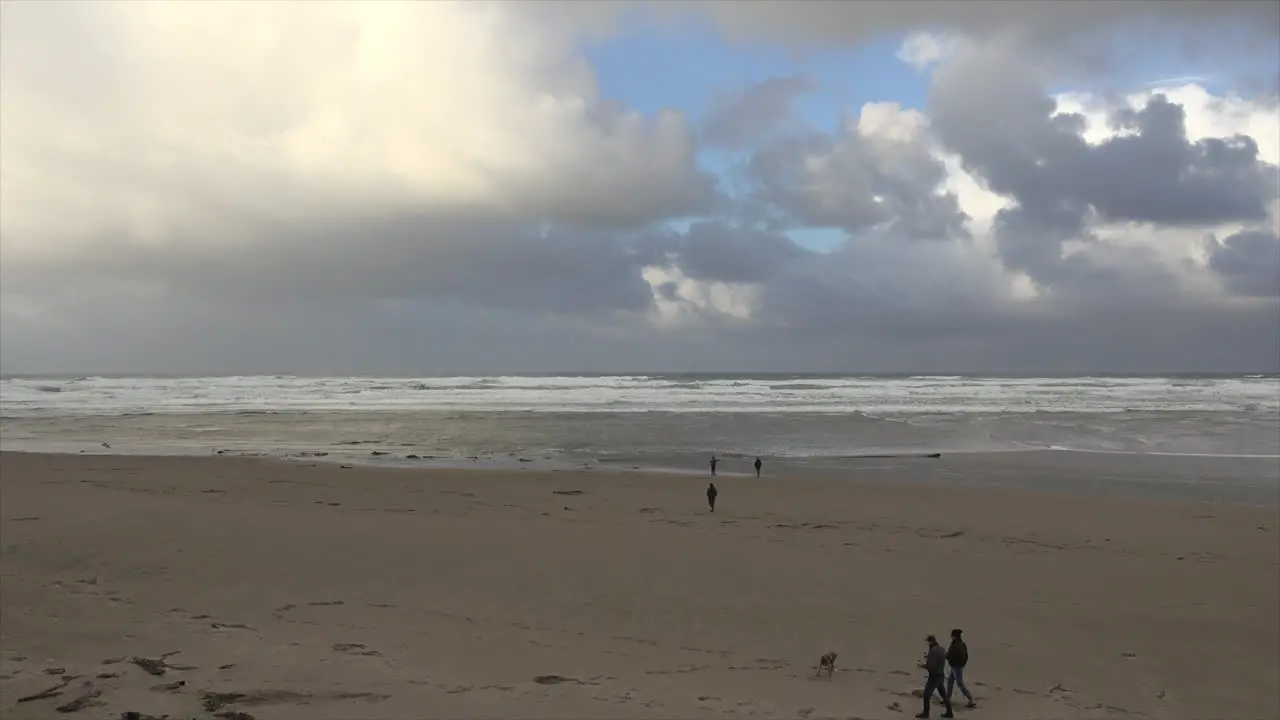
[
  {"x": 957, "y": 658},
  {"x": 714, "y": 461},
  {"x": 712, "y": 493},
  {"x": 758, "y": 464},
  {"x": 935, "y": 663}
]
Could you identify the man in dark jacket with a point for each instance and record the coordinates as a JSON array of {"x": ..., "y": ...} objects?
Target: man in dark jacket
[
  {"x": 712, "y": 493},
  {"x": 935, "y": 662},
  {"x": 957, "y": 658}
]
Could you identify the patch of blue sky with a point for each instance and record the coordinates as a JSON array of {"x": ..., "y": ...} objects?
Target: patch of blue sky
[
  {"x": 653, "y": 68},
  {"x": 684, "y": 67}
]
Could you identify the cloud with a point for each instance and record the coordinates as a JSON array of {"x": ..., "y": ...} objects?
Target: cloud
[
  {"x": 135, "y": 116},
  {"x": 746, "y": 115},
  {"x": 923, "y": 49},
  {"x": 417, "y": 187},
  {"x": 1056, "y": 24},
  {"x": 878, "y": 171},
  {"x": 1249, "y": 262},
  {"x": 1146, "y": 171}
]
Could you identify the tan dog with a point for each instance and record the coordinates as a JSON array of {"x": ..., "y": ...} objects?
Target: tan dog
[{"x": 827, "y": 662}]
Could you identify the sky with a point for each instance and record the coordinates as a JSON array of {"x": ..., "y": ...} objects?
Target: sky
[{"x": 681, "y": 186}]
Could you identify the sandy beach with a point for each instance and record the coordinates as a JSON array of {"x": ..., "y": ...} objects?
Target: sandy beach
[{"x": 291, "y": 590}]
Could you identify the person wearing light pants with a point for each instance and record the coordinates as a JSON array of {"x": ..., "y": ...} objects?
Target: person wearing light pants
[{"x": 957, "y": 658}]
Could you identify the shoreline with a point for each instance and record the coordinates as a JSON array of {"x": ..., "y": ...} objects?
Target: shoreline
[
  {"x": 1243, "y": 480},
  {"x": 388, "y": 592}
]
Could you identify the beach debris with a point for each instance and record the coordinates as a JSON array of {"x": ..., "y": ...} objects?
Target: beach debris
[
  {"x": 135, "y": 715},
  {"x": 379, "y": 452},
  {"x": 106, "y": 675},
  {"x": 212, "y": 701},
  {"x": 411, "y": 457},
  {"x": 81, "y": 701},
  {"x": 355, "y": 649},
  {"x": 54, "y": 691},
  {"x": 894, "y": 706},
  {"x": 566, "y": 492},
  {"x": 553, "y": 679},
  {"x": 156, "y": 666},
  {"x": 55, "y": 671},
  {"x": 234, "y": 715},
  {"x": 344, "y": 467},
  {"x": 1059, "y": 688},
  {"x": 170, "y": 687},
  {"x": 228, "y": 666},
  {"x": 1160, "y": 695},
  {"x": 940, "y": 535}
]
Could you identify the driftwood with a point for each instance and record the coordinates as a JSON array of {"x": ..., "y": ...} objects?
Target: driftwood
[
  {"x": 553, "y": 679},
  {"x": 80, "y": 702},
  {"x": 215, "y": 701},
  {"x": 169, "y": 687},
  {"x": 54, "y": 691},
  {"x": 156, "y": 666},
  {"x": 135, "y": 715},
  {"x": 234, "y": 715}
]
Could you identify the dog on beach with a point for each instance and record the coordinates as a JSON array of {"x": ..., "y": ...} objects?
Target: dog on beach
[{"x": 827, "y": 662}]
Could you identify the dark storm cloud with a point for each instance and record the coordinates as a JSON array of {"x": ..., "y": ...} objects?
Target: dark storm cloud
[
  {"x": 997, "y": 117},
  {"x": 883, "y": 287},
  {"x": 1248, "y": 262},
  {"x": 722, "y": 253},
  {"x": 1047, "y": 25},
  {"x": 747, "y": 115},
  {"x": 143, "y": 335},
  {"x": 483, "y": 261}
]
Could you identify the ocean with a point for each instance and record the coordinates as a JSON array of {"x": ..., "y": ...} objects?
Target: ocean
[{"x": 656, "y": 422}]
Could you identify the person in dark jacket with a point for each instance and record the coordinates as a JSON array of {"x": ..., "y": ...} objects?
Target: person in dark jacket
[
  {"x": 758, "y": 464},
  {"x": 714, "y": 462},
  {"x": 957, "y": 658},
  {"x": 711, "y": 496},
  {"x": 935, "y": 662}
]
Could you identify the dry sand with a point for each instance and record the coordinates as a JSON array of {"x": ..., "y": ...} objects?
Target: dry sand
[{"x": 315, "y": 591}]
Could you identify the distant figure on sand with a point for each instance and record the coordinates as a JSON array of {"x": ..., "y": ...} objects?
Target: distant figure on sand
[
  {"x": 711, "y": 496},
  {"x": 957, "y": 658},
  {"x": 714, "y": 461},
  {"x": 935, "y": 662},
  {"x": 758, "y": 464}
]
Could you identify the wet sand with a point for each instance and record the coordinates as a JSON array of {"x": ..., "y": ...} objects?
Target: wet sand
[{"x": 327, "y": 592}]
